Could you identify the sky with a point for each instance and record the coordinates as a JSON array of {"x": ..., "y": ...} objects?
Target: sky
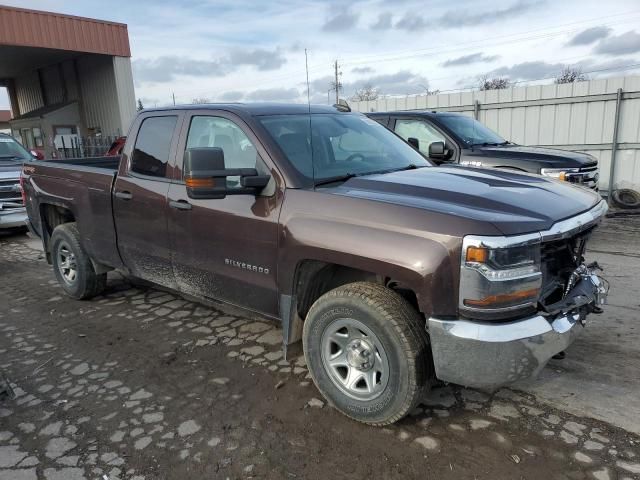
[{"x": 251, "y": 50}]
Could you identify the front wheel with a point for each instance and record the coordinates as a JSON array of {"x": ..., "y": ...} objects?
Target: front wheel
[
  {"x": 367, "y": 352},
  {"x": 72, "y": 266}
]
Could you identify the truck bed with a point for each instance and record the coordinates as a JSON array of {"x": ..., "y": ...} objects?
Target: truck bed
[
  {"x": 80, "y": 188},
  {"x": 109, "y": 163}
]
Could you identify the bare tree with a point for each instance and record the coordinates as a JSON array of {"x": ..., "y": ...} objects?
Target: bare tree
[
  {"x": 495, "y": 83},
  {"x": 570, "y": 75},
  {"x": 368, "y": 92},
  {"x": 200, "y": 101},
  {"x": 427, "y": 89}
]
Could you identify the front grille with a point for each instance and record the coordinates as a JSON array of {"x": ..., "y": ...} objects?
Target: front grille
[
  {"x": 559, "y": 258},
  {"x": 10, "y": 196},
  {"x": 586, "y": 177}
]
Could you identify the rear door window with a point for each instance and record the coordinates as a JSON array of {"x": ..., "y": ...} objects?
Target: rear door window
[{"x": 153, "y": 144}]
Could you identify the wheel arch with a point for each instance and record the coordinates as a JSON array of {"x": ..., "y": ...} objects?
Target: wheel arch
[
  {"x": 52, "y": 215},
  {"x": 311, "y": 278}
]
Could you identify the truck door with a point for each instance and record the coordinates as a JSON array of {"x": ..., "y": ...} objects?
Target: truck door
[
  {"x": 140, "y": 197},
  {"x": 226, "y": 249}
]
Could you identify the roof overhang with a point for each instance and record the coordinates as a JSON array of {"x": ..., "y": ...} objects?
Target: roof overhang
[
  {"x": 17, "y": 60},
  {"x": 20, "y": 27}
]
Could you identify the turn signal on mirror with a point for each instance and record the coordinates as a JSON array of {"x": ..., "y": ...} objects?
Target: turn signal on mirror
[{"x": 191, "y": 182}]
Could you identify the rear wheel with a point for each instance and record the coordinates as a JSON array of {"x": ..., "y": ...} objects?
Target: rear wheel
[
  {"x": 367, "y": 352},
  {"x": 72, "y": 267}
]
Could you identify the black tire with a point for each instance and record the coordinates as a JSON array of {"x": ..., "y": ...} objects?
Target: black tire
[
  {"x": 86, "y": 283},
  {"x": 626, "y": 198},
  {"x": 399, "y": 330}
]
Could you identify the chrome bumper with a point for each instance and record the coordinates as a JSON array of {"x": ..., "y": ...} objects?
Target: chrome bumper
[
  {"x": 13, "y": 217},
  {"x": 490, "y": 355}
]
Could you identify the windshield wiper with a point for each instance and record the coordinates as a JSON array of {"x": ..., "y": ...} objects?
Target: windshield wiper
[
  {"x": 411, "y": 166},
  {"x": 347, "y": 176},
  {"x": 337, "y": 178}
]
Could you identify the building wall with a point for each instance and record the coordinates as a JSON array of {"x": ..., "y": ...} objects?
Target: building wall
[
  {"x": 576, "y": 116},
  {"x": 126, "y": 92},
  {"x": 99, "y": 94},
  {"x": 101, "y": 84},
  {"x": 28, "y": 92}
]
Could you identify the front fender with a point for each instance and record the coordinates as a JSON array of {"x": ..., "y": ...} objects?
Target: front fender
[{"x": 419, "y": 260}]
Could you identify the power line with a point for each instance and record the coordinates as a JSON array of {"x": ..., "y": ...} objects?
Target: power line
[
  {"x": 438, "y": 50},
  {"x": 632, "y": 66},
  {"x": 435, "y": 50}
]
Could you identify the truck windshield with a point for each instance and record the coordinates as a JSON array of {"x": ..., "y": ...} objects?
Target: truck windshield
[
  {"x": 10, "y": 150},
  {"x": 471, "y": 131},
  {"x": 341, "y": 145}
]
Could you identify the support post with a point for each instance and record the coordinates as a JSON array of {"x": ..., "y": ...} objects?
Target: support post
[
  {"x": 614, "y": 148},
  {"x": 476, "y": 109}
]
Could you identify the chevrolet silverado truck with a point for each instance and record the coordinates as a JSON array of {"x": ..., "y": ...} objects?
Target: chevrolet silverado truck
[
  {"x": 391, "y": 271},
  {"x": 12, "y": 211},
  {"x": 454, "y": 138}
]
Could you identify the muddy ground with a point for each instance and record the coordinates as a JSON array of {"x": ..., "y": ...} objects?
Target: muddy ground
[{"x": 141, "y": 384}]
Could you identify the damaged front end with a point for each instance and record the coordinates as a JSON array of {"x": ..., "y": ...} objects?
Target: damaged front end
[
  {"x": 569, "y": 285},
  {"x": 522, "y": 300}
]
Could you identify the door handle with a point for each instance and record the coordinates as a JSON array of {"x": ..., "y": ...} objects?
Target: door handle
[
  {"x": 124, "y": 195},
  {"x": 180, "y": 204}
]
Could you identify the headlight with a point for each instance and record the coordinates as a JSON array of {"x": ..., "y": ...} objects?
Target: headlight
[
  {"x": 498, "y": 279},
  {"x": 559, "y": 173}
]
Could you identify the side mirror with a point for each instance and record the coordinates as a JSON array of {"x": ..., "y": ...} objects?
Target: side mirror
[
  {"x": 205, "y": 175},
  {"x": 438, "y": 151},
  {"x": 36, "y": 154},
  {"x": 414, "y": 142}
]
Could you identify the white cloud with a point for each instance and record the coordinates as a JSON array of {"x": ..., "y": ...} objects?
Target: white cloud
[
  {"x": 232, "y": 50},
  {"x": 628, "y": 42}
]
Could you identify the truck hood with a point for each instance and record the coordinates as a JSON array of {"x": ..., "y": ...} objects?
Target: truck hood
[
  {"x": 512, "y": 202},
  {"x": 546, "y": 157}
]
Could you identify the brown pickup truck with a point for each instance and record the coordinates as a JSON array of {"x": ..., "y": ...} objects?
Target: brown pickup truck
[{"x": 393, "y": 272}]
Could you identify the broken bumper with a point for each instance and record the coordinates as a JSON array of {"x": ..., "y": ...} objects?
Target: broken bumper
[
  {"x": 13, "y": 217},
  {"x": 489, "y": 355}
]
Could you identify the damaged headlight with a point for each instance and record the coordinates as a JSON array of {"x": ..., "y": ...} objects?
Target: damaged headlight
[{"x": 498, "y": 279}]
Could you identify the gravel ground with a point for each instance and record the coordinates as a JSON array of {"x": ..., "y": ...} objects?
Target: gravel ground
[{"x": 142, "y": 384}]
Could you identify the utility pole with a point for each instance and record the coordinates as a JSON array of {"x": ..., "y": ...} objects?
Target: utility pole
[
  {"x": 173, "y": 95},
  {"x": 337, "y": 81}
]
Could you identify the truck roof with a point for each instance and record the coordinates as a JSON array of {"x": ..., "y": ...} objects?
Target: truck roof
[
  {"x": 256, "y": 109},
  {"x": 422, "y": 113}
]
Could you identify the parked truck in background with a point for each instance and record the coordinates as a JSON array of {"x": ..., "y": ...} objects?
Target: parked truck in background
[
  {"x": 453, "y": 138},
  {"x": 392, "y": 271},
  {"x": 13, "y": 214}
]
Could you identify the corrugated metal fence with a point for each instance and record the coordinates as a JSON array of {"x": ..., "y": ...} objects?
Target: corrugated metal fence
[{"x": 575, "y": 116}]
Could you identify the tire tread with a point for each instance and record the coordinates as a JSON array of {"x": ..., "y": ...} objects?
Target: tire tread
[
  {"x": 94, "y": 283},
  {"x": 407, "y": 322}
]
